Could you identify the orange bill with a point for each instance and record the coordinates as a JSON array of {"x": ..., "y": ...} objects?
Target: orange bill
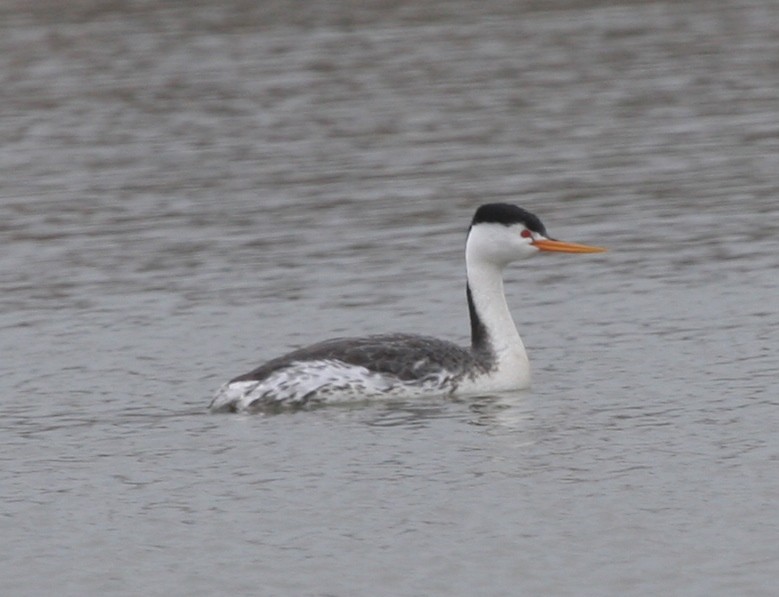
[{"x": 547, "y": 244}]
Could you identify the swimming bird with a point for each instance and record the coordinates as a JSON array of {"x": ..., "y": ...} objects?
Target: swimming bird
[{"x": 409, "y": 365}]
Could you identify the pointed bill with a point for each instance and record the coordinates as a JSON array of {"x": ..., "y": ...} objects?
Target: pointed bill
[{"x": 547, "y": 244}]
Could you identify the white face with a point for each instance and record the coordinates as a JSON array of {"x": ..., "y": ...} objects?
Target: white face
[{"x": 499, "y": 244}]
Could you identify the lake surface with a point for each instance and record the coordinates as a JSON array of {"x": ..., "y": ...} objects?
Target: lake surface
[{"x": 191, "y": 188}]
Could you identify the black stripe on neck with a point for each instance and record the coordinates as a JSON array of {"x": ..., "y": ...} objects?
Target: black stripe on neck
[{"x": 480, "y": 340}]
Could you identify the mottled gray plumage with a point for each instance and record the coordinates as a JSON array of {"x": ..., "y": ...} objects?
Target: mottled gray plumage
[{"x": 407, "y": 357}]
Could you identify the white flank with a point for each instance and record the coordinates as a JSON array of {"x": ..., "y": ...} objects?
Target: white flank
[{"x": 319, "y": 382}]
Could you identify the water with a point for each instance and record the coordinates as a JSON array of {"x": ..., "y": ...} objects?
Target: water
[{"x": 191, "y": 188}]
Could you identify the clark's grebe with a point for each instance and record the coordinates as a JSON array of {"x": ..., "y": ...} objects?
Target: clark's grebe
[{"x": 408, "y": 365}]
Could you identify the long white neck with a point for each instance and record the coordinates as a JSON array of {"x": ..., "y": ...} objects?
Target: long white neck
[{"x": 493, "y": 332}]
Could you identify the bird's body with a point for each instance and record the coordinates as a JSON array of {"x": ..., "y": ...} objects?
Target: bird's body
[{"x": 408, "y": 365}]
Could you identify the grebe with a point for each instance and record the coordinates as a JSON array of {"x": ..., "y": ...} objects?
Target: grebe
[{"x": 408, "y": 365}]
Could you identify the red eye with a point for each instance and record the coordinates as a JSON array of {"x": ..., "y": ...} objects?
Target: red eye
[{"x": 526, "y": 233}]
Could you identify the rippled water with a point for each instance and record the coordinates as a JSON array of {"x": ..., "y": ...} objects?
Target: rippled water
[{"x": 191, "y": 188}]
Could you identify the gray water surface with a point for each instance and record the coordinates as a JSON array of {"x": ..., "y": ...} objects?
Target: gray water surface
[{"x": 190, "y": 188}]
